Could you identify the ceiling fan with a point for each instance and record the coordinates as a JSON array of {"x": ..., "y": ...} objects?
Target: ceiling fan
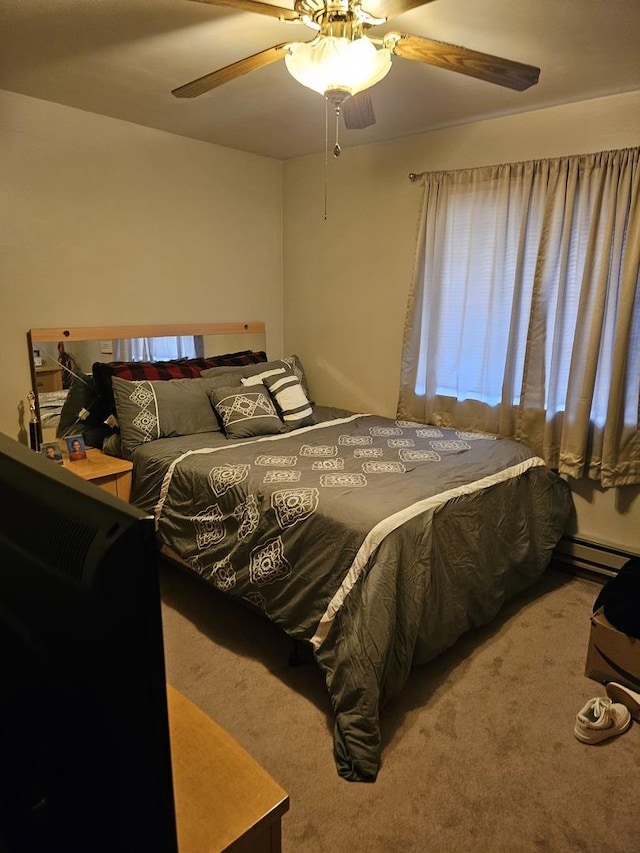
[{"x": 341, "y": 62}]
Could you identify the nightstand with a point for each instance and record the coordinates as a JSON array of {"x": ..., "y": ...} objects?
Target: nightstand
[{"x": 108, "y": 472}]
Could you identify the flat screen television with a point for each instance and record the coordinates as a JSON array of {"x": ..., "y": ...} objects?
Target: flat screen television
[{"x": 85, "y": 762}]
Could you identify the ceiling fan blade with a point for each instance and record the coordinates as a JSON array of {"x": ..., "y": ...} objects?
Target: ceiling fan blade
[
  {"x": 493, "y": 69},
  {"x": 357, "y": 111},
  {"x": 254, "y": 6},
  {"x": 230, "y": 72},
  {"x": 390, "y": 8}
]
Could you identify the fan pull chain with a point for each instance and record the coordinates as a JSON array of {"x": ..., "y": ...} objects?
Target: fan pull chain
[
  {"x": 336, "y": 148},
  {"x": 326, "y": 154}
]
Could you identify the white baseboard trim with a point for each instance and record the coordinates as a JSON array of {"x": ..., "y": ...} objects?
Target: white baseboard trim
[{"x": 591, "y": 559}]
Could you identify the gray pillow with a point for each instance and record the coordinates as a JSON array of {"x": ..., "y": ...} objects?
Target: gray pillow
[
  {"x": 293, "y": 404},
  {"x": 148, "y": 410},
  {"x": 226, "y": 377},
  {"x": 246, "y": 411},
  {"x": 229, "y": 375}
]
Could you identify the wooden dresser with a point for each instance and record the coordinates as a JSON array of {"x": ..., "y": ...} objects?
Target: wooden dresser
[
  {"x": 49, "y": 378},
  {"x": 225, "y": 801}
]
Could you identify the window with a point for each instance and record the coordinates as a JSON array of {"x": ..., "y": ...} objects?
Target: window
[{"x": 525, "y": 313}]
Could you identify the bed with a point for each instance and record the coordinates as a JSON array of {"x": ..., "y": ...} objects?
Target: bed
[{"x": 377, "y": 542}]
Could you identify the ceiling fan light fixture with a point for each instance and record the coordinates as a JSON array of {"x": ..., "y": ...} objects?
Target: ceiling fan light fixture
[{"x": 329, "y": 63}]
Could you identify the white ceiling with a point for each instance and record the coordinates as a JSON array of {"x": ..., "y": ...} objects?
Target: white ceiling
[{"x": 122, "y": 58}]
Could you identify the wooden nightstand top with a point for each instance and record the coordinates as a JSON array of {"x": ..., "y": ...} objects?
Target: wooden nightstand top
[{"x": 98, "y": 465}]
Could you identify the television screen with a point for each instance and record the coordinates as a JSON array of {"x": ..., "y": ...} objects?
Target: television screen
[{"x": 85, "y": 761}]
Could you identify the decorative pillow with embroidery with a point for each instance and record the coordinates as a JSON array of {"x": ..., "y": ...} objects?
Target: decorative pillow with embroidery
[
  {"x": 148, "y": 410},
  {"x": 246, "y": 411},
  {"x": 293, "y": 404}
]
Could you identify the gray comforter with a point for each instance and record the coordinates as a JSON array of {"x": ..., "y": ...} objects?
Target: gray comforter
[{"x": 379, "y": 542}]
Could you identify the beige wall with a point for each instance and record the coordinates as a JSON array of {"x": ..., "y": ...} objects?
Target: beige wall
[
  {"x": 347, "y": 278},
  {"x": 106, "y": 222}
]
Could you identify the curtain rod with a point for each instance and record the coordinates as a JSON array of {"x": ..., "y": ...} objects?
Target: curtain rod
[{"x": 415, "y": 176}]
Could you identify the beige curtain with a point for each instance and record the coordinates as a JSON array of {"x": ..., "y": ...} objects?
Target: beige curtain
[{"x": 524, "y": 311}]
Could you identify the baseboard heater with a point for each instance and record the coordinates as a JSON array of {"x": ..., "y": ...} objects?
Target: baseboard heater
[{"x": 589, "y": 559}]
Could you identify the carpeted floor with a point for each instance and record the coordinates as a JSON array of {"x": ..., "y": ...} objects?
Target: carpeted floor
[{"x": 479, "y": 752}]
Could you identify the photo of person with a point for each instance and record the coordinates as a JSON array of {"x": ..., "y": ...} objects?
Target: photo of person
[
  {"x": 52, "y": 451},
  {"x": 76, "y": 448}
]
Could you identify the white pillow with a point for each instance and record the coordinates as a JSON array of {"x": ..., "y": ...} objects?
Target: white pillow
[
  {"x": 293, "y": 404},
  {"x": 257, "y": 379}
]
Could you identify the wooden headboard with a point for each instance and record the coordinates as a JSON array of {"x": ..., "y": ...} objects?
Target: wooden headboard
[{"x": 99, "y": 333}]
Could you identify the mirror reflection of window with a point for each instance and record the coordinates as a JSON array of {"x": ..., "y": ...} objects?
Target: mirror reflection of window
[{"x": 158, "y": 349}]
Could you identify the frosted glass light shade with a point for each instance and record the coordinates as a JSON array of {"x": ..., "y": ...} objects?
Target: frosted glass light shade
[{"x": 330, "y": 63}]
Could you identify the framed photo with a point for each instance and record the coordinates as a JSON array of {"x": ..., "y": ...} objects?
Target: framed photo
[
  {"x": 76, "y": 447},
  {"x": 53, "y": 451}
]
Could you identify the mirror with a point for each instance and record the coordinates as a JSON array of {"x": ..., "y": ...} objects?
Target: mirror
[{"x": 56, "y": 356}]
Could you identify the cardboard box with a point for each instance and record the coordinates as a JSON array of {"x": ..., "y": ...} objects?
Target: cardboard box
[{"x": 612, "y": 655}]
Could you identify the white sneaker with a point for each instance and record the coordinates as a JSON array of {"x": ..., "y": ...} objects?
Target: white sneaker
[
  {"x": 629, "y": 698},
  {"x": 601, "y": 719}
]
